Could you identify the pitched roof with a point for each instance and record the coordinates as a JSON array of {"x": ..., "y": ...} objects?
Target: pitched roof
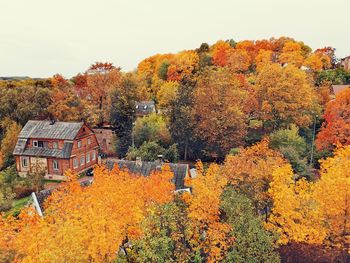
[
  {"x": 50, "y": 130},
  {"x": 339, "y": 88},
  {"x": 146, "y": 168},
  {"x": 144, "y": 107},
  {"x": 63, "y": 153}
]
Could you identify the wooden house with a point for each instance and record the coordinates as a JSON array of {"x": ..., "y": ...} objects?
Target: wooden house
[{"x": 55, "y": 147}]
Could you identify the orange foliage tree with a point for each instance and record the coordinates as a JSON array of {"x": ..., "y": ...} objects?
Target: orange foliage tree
[
  {"x": 220, "y": 120},
  {"x": 292, "y": 54},
  {"x": 101, "y": 79},
  {"x": 251, "y": 170},
  {"x": 336, "y": 127},
  {"x": 87, "y": 224},
  {"x": 220, "y": 53}
]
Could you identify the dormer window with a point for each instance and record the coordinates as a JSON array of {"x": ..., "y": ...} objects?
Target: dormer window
[
  {"x": 35, "y": 144},
  {"x": 145, "y": 107},
  {"x": 137, "y": 106},
  {"x": 55, "y": 145}
]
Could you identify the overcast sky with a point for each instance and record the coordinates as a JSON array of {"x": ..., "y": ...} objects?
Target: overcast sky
[{"x": 39, "y": 38}]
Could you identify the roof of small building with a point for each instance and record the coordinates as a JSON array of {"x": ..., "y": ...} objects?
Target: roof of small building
[
  {"x": 50, "y": 130},
  {"x": 146, "y": 168},
  {"x": 144, "y": 107},
  {"x": 339, "y": 88}
]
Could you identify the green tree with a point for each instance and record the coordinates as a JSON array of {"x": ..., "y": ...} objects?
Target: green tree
[
  {"x": 166, "y": 236},
  {"x": 151, "y": 128},
  {"x": 123, "y": 98},
  {"x": 149, "y": 151},
  {"x": 252, "y": 242},
  {"x": 292, "y": 146}
]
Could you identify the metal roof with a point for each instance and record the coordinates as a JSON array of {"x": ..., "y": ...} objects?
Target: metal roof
[
  {"x": 146, "y": 168},
  {"x": 50, "y": 130}
]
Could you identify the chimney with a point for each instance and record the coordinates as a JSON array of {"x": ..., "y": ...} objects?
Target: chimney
[
  {"x": 138, "y": 161},
  {"x": 159, "y": 161}
]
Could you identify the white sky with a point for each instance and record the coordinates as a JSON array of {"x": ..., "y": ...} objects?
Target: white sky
[{"x": 39, "y": 38}]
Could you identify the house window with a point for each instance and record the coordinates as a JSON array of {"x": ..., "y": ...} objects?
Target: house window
[
  {"x": 55, "y": 164},
  {"x": 25, "y": 161},
  {"x": 55, "y": 145},
  {"x": 87, "y": 157},
  {"x": 75, "y": 163},
  {"x": 82, "y": 161},
  {"x": 35, "y": 143},
  {"x": 93, "y": 157},
  {"x": 79, "y": 144},
  {"x": 89, "y": 141}
]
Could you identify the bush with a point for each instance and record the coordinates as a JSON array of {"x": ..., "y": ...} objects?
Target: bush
[{"x": 149, "y": 151}]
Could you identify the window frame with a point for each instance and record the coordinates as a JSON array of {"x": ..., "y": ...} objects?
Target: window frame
[
  {"x": 93, "y": 156},
  {"x": 55, "y": 165},
  {"x": 23, "y": 159},
  {"x": 87, "y": 158},
  {"x": 89, "y": 141},
  {"x": 35, "y": 143},
  {"x": 75, "y": 163},
  {"x": 54, "y": 145},
  {"x": 82, "y": 160},
  {"x": 79, "y": 144}
]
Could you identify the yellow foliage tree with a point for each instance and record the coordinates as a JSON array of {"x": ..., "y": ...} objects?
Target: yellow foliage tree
[
  {"x": 295, "y": 215},
  {"x": 285, "y": 96},
  {"x": 87, "y": 224},
  {"x": 332, "y": 193},
  {"x": 292, "y": 54},
  {"x": 210, "y": 235}
]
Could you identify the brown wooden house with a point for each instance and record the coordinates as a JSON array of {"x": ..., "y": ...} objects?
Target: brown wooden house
[{"x": 55, "y": 147}]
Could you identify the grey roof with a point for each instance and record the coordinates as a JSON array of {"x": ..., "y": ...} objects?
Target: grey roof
[
  {"x": 49, "y": 130},
  {"x": 146, "y": 168},
  {"x": 43, "y": 152},
  {"x": 339, "y": 88},
  {"x": 20, "y": 146},
  {"x": 144, "y": 107}
]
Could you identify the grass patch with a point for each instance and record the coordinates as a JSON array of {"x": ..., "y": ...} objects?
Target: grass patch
[
  {"x": 17, "y": 205},
  {"x": 47, "y": 181}
]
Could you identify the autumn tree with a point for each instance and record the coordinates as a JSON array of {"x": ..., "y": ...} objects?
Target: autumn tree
[
  {"x": 65, "y": 102},
  {"x": 295, "y": 215},
  {"x": 167, "y": 93},
  {"x": 91, "y": 223},
  {"x": 332, "y": 193},
  {"x": 220, "y": 121},
  {"x": 284, "y": 96},
  {"x": 292, "y": 53},
  {"x": 101, "y": 79},
  {"x": 250, "y": 172},
  {"x": 11, "y": 130},
  {"x": 335, "y": 129},
  {"x": 211, "y": 237},
  {"x": 182, "y": 65},
  {"x": 220, "y": 53}
]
